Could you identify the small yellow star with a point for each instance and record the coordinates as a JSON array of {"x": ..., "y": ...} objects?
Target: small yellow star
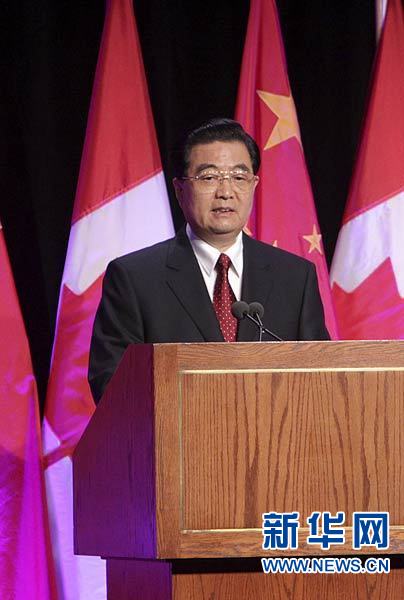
[
  {"x": 314, "y": 240},
  {"x": 286, "y": 126}
]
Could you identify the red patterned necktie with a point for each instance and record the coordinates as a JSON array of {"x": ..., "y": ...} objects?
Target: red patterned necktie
[{"x": 223, "y": 298}]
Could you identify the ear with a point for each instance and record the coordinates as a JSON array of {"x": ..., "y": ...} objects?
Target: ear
[{"x": 179, "y": 189}]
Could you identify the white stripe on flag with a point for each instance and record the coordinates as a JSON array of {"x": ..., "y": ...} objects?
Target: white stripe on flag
[
  {"x": 366, "y": 241},
  {"x": 133, "y": 220}
]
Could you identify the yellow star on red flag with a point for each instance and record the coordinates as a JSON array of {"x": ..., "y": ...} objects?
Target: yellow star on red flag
[
  {"x": 286, "y": 126},
  {"x": 314, "y": 240}
]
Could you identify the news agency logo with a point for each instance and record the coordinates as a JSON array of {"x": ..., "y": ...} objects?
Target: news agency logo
[
  {"x": 280, "y": 530},
  {"x": 369, "y": 529}
]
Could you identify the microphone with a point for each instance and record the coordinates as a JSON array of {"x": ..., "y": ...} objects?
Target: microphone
[
  {"x": 257, "y": 310},
  {"x": 254, "y": 312},
  {"x": 240, "y": 310}
]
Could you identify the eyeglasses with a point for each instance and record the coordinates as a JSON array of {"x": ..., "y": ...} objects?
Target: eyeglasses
[{"x": 208, "y": 181}]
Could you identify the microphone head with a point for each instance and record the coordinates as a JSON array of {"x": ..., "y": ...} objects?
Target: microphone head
[
  {"x": 256, "y": 310},
  {"x": 239, "y": 309}
]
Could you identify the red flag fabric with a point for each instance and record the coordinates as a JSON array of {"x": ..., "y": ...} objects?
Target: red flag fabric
[
  {"x": 26, "y": 570},
  {"x": 121, "y": 205},
  {"x": 284, "y": 213},
  {"x": 367, "y": 274}
]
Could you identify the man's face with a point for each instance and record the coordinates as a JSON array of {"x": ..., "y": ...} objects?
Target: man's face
[{"x": 216, "y": 215}]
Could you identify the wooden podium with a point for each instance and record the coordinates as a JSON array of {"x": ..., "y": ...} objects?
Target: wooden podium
[{"x": 191, "y": 443}]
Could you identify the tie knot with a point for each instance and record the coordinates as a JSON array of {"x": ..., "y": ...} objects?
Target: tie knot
[{"x": 223, "y": 263}]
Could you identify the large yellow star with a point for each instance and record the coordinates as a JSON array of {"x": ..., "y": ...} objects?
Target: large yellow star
[
  {"x": 286, "y": 126},
  {"x": 314, "y": 240}
]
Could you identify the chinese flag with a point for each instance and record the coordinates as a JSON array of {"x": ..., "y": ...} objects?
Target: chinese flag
[
  {"x": 284, "y": 213},
  {"x": 121, "y": 205},
  {"x": 26, "y": 570},
  {"x": 367, "y": 272}
]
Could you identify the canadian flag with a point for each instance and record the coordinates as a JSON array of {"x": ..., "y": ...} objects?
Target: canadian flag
[
  {"x": 284, "y": 213},
  {"x": 26, "y": 569},
  {"x": 367, "y": 274},
  {"x": 121, "y": 205}
]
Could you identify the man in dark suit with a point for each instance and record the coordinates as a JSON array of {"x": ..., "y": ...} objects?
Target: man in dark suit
[{"x": 169, "y": 292}]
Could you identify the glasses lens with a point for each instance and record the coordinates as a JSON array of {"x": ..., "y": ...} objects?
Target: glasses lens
[{"x": 239, "y": 180}]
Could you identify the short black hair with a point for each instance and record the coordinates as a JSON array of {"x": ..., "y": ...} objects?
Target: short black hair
[{"x": 218, "y": 130}]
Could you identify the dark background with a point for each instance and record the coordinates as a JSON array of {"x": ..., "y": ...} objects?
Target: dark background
[{"x": 192, "y": 53}]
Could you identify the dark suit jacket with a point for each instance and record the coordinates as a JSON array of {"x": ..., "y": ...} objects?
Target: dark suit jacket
[{"x": 158, "y": 295}]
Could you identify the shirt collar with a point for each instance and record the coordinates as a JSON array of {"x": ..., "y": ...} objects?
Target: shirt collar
[{"x": 208, "y": 255}]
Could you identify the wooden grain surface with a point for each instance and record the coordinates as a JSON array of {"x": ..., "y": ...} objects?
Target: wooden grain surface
[
  {"x": 256, "y": 586},
  {"x": 367, "y": 354},
  {"x": 114, "y": 490},
  {"x": 284, "y": 427},
  {"x": 206, "y": 437},
  {"x": 284, "y": 442}
]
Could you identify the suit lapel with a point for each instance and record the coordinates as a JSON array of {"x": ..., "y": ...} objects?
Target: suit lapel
[
  {"x": 185, "y": 279},
  {"x": 257, "y": 283}
]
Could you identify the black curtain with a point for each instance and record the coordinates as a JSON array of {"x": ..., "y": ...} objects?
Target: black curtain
[{"x": 192, "y": 53}]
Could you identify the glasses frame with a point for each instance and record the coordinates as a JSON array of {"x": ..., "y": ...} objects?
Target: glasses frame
[{"x": 222, "y": 176}]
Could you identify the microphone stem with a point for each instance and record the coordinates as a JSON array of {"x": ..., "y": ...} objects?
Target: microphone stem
[
  {"x": 263, "y": 329},
  {"x": 260, "y": 324}
]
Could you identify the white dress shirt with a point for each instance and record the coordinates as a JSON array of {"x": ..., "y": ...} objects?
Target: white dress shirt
[{"x": 207, "y": 257}]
